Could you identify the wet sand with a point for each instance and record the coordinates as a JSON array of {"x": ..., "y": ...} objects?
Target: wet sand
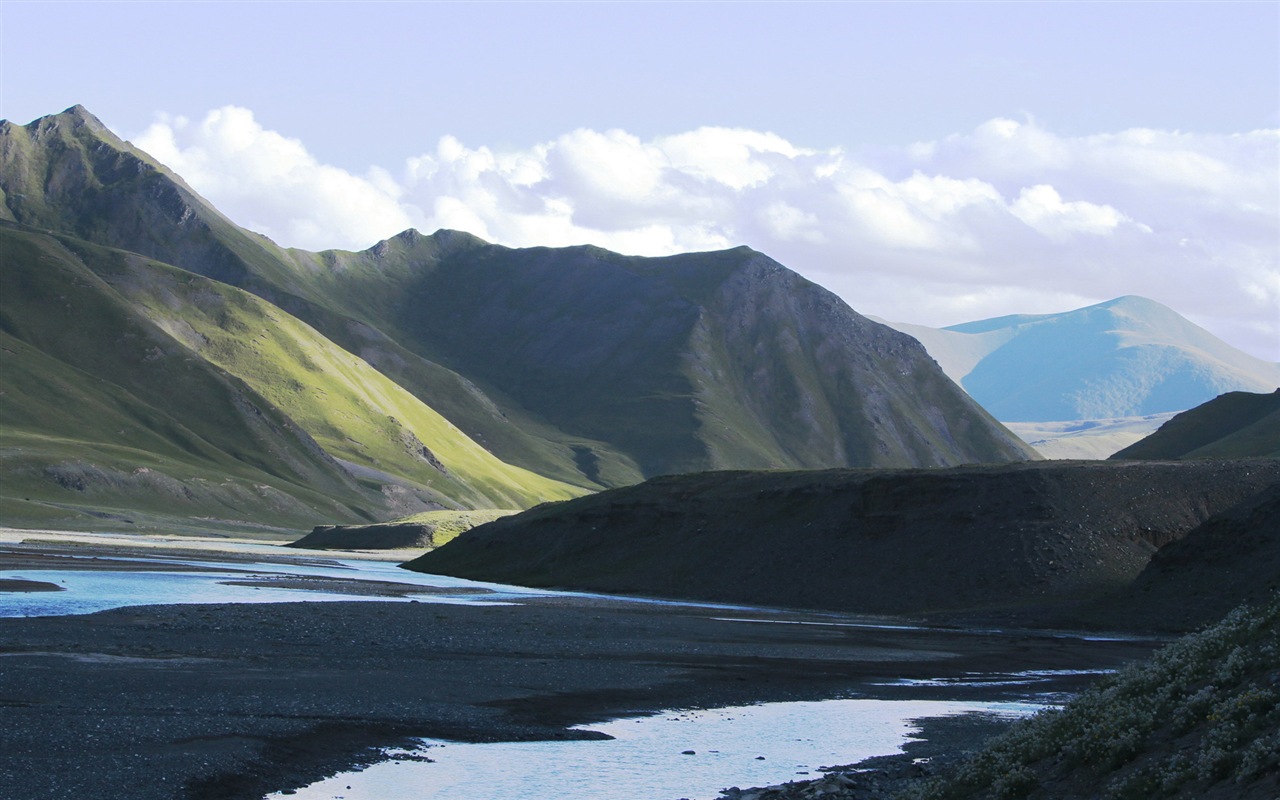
[{"x": 234, "y": 701}]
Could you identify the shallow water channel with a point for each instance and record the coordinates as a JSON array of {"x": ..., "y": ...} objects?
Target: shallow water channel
[
  {"x": 677, "y": 754},
  {"x": 201, "y": 581}
]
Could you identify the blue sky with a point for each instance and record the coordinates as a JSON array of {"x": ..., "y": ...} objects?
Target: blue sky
[{"x": 930, "y": 162}]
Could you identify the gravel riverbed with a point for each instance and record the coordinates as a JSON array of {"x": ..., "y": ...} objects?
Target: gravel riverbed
[{"x": 234, "y": 701}]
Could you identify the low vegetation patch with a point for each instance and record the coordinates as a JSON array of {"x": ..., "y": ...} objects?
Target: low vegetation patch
[{"x": 1199, "y": 719}]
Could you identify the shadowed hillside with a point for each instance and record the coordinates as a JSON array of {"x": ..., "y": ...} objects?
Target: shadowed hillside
[
  {"x": 1234, "y": 425},
  {"x": 692, "y": 362},
  {"x": 1025, "y": 539},
  {"x": 1231, "y": 558}
]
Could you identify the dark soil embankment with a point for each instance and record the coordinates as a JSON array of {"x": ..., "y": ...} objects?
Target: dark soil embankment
[
  {"x": 1026, "y": 540},
  {"x": 425, "y": 530},
  {"x": 1232, "y": 558}
]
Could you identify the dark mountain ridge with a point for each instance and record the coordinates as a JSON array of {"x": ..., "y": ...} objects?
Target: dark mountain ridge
[
  {"x": 1232, "y": 425},
  {"x": 690, "y": 362},
  {"x": 1022, "y": 541}
]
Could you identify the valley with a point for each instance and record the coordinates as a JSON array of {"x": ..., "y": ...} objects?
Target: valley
[
  {"x": 618, "y": 485},
  {"x": 208, "y": 701}
]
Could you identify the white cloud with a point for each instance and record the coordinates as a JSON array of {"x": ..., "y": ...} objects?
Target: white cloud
[
  {"x": 786, "y": 222},
  {"x": 1043, "y": 208},
  {"x": 1009, "y": 217},
  {"x": 271, "y": 184}
]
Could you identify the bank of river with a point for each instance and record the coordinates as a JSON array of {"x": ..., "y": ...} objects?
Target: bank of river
[
  {"x": 677, "y": 754},
  {"x": 237, "y": 700}
]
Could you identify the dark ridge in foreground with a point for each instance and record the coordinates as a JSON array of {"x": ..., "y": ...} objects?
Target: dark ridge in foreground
[{"x": 1027, "y": 541}]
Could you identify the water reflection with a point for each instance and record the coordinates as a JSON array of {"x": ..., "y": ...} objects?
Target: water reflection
[
  {"x": 88, "y": 591},
  {"x": 679, "y": 754}
]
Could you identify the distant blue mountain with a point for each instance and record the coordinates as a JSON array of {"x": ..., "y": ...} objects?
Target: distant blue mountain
[{"x": 1126, "y": 357}]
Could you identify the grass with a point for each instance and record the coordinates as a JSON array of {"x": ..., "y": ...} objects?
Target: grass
[
  {"x": 1232, "y": 425},
  {"x": 353, "y": 411},
  {"x": 87, "y": 379},
  {"x": 445, "y": 526},
  {"x": 105, "y": 385},
  {"x": 1201, "y": 718}
]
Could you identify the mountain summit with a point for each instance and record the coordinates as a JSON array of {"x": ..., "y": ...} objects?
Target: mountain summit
[
  {"x": 1123, "y": 358},
  {"x": 691, "y": 362}
]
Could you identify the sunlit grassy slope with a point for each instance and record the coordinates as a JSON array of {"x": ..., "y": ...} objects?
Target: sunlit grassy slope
[
  {"x": 103, "y": 417},
  {"x": 135, "y": 386},
  {"x": 355, "y": 413}
]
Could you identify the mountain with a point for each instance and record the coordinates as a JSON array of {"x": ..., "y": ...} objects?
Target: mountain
[
  {"x": 134, "y": 391},
  {"x": 663, "y": 365},
  {"x": 1020, "y": 539},
  {"x": 1127, "y": 357},
  {"x": 1234, "y": 425},
  {"x": 575, "y": 366}
]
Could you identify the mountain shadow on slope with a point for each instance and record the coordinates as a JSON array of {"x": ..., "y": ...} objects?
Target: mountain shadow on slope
[{"x": 1230, "y": 559}]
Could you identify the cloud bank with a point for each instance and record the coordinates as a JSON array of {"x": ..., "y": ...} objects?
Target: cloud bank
[{"x": 1007, "y": 218}]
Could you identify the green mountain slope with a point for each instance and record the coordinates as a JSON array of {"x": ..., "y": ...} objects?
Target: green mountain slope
[
  {"x": 577, "y": 364},
  {"x": 1233, "y": 425},
  {"x": 355, "y": 413},
  {"x": 68, "y": 173},
  {"x": 661, "y": 365},
  {"x": 101, "y": 411},
  {"x": 82, "y": 371}
]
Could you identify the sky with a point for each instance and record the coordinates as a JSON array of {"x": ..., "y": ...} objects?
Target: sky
[{"x": 932, "y": 162}]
